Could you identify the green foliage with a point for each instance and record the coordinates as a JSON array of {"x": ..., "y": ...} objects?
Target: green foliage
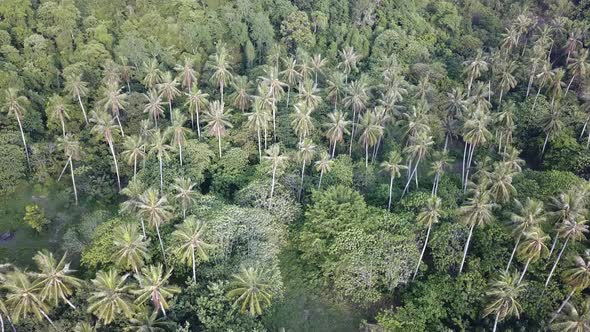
[
  {"x": 101, "y": 252},
  {"x": 35, "y": 217},
  {"x": 231, "y": 172},
  {"x": 12, "y": 162}
]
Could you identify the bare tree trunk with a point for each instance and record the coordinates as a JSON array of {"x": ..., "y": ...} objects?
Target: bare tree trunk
[
  {"x": 120, "y": 126},
  {"x": 320, "y": 182},
  {"x": 143, "y": 228},
  {"x": 513, "y": 252},
  {"x": 411, "y": 176},
  {"x": 569, "y": 296},
  {"x": 198, "y": 122},
  {"x": 22, "y": 134},
  {"x": 116, "y": 164},
  {"x": 161, "y": 174},
  {"x": 194, "y": 265},
  {"x": 469, "y": 87},
  {"x": 466, "y": 247},
  {"x": 536, "y": 97},
  {"x": 585, "y": 125},
  {"x": 161, "y": 244},
  {"x": 556, "y": 262},
  {"x": 352, "y": 133},
  {"x": 274, "y": 123},
  {"x": 390, "y": 192},
  {"x": 526, "y": 266},
  {"x": 496, "y": 321},
  {"x": 422, "y": 253},
  {"x": 170, "y": 109},
  {"x": 83, "y": 110},
  {"x": 334, "y": 149},
  {"x": 553, "y": 245},
  {"x": 73, "y": 180},
  {"x": 545, "y": 143},
  {"x": 288, "y": 96},
  {"x": 134, "y": 167},
  {"x": 301, "y": 184},
  {"x": 221, "y": 90},
  {"x": 259, "y": 144},
  {"x": 463, "y": 169},
  {"x": 219, "y": 144},
  {"x": 180, "y": 153},
  {"x": 272, "y": 186}
]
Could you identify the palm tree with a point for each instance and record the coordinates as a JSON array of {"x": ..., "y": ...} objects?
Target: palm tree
[
  {"x": 335, "y": 87},
  {"x": 133, "y": 150},
  {"x": 577, "y": 276},
  {"x": 258, "y": 120},
  {"x": 241, "y": 97},
  {"x": 578, "y": 67},
  {"x": 131, "y": 247},
  {"x": 156, "y": 211},
  {"x": 556, "y": 86},
  {"x": 4, "y": 313},
  {"x": 305, "y": 154},
  {"x": 501, "y": 186},
  {"x": 219, "y": 65},
  {"x": 251, "y": 290},
  {"x": 168, "y": 90},
  {"x": 317, "y": 65},
  {"x": 14, "y": 105},
  {"x": 336, "y": 127},
  {"x": 309, "y": 94},
  {"x": 197, "y": 103},
  {"x": 532, "y": 249},
  {"x": 507, "y": 80},
  {"x": 178, "y": 132},
  {"x": 160, "y": 149},
  {"x": 186, "y": 73},
  {"x": 135, "y": 188},
  {"x": 476, "y": 133},
  {"x": 572, "y": 319},
  {"x": 154, "y": 104},
  {"x": 417, "y": 150},
  {"x": 57, "y": 111},
  {"x": 544, "y": 76},
  {"x": 109, "y": 296},
  {"x": 504, "y": 121},
  {"x": 146, "y": 321},
  {"x": 22, "y": 297},
  {"x": 152, "y": 73},
  {"x": 55, "y": 278},
  {"x": 273, "y": 155},
  {"x": 153, "y": 286},
  {"x": 371, "y": 132},
  {"x": 104, "y": 126},
  {"x": 188, "y": 239},
  {"x": 392, "y": 167},
  {"x": 357, "y": 98},
  {"x": 126, "y": 71},
  {"x": 323, "y": 165},
  {"x": 77, "y": 88},
  {"x": 474, "y": 68},
  {"x": 426, "y": 218},
  {"x": 71, "y": 148},
  {"x": 110, "y": 72},
  {"x": 569, "y": 230},
  {"x": 552, "y": 125},
  {"x": 185, "y": 193},
  {"x": 348, "y": 62},
  {"x": 114, "y": 101},
  {"x": 302, "y": 121},
  {"x": 525, "y": 218},
  {"x": 477, "y": 211},
  {"x": 289, "y": 75},
  {"x": 503, "y": 297},
  {"x": 217, "y": 120}
]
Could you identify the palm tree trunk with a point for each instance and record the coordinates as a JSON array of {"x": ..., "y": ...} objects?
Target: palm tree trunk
[
  {"x": 120, "y": 126},
  {"x": 219, "y": 144},
  {"x": 531, "y": 78},
  {"x": 500, "y": 100},
  {"x": 272, "y": 186},
  {"x": 198, "y": 123},
  {"x": 566, "y": 300},
  {"x": 469, "y": 86},
  {"x": 73, "y": 181},
  {"x": 63, "y": 171},
  {"x": 194, "y": 265},
  {"x": 69, "y": 303},
  {"x": 536, "y": 97},
  {"x": 553, "y": 245},
  {"x": 545, "y": 143},
  {"x": 301, "y": 184},
  {"x": 463, "y": 168},
  {"x": 83, "y": 110},
  {"x": 422, "y": 253},
  {"x": 22, "y": 134},
  {"x": 180, "y": 153},
  {"x": 390, "y": 192},
  {"x": 221, "y": 91},
  {"x": 143, "y": 228},
  {"x": 334, "y": 149},
  {"x": 513, "y": 252},
  {"x": 466, "y": 247},
  {"x": 556, "y": 261},
  {"x": 274, "y": 123},
  {"x": 469, "y": 161},
  {"x": 432, "y": 192},
  {"x": 288, "y": 97},
  {"x": 352, "y": 132},
  {"x": 134, "y": 167},
  {"x": 496, "y": 321},
  {"x": 411, "y": 176},
  {"x": 161, "y": 244},
  {"x": 568, "y": 86},
  {"x": 259, "y": 143},
  {"x": 170, "y": 109},
  {"x": 320, "y": 182},
  {"x": 526, "y": 266},
  {"x": 366, "y": 155},
  {"x": 47, "y": 317},
  {"x": 585, "y": 125},
  {"x": 161, "y": 174},
  {"x": 116, "y": 164},
  {"x": 446, "y": 143}
]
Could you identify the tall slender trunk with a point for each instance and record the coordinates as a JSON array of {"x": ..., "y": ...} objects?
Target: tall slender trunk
[
  {"x": 366, "y": 155},
  {"x": 272, "y": 186},
  {"x": 116, "y": 164},
  {"x": 1, "y": 323},
  {"x": 274, "y": 123},
  {"x": 320, "y": 182},
  {"x": 585, "y": 125},
  {"x": 469, "y": 86},
  {"x": 352, "y": 132},
  {"x": 143, "y": 228},
  {"x": 180, "y": 153},
  {"x": 219, "y": 144},
  {"x": 433, "y": 191},
  {"x": 568, "y": 86},
  {"x": 170, "y": 109},
  {"x": 422, "y": 253},
  {"x": 83, "y": 110},
  {"x": 466, "y": 247},
  {"x": 526, "y": 266},
  {"x": 496, "y": 321},
  {"x": 390, "y": 192},
  {"x": 411, "y": 176},
  {"x": 446, "y": 143},
  {"x": 161, "y": 174},
  {"x": 161, "y": 244},
  {"x": 288, "y": 97},
  {"x": 469, "y": 161},
  {"x": 553, "y": 245},
  {"x": 73, "y": 180},
  {"x": 334, "y": 149},
  {"x": 531, "y": 78},
  {"x": 513, "y": 252},
  {"x": 463, "y": 165},
  {"x": 569, "y": 296},
  {"x": 120, "y": 126},
  {"x": 536, "y": 97},
  {"x": 22, "y": 134},
  {"x": 545, "y": 143},
  {"x": 194, "y": 265},
  {"x": 500, "y": 100},
  {"x": 301, "y": 184},
  {"x": 259, "y": 144},
  {"x": 134, "y": 167},
  {"x": 221, "y": 90},
  {"x": 47, "y": 318},
  {"x": 198, "y": 122},
  {"x": 556, "y": 261}
]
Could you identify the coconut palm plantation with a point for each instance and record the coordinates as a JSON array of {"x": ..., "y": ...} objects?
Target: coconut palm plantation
[{"x": 294, "y": 165}]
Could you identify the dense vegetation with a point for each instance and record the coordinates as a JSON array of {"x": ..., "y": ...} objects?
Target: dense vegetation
[{"x": 276, "y": 165}]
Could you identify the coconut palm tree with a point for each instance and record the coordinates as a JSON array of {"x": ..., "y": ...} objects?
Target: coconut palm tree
[
  {"x": 544, "y": 76},
  {"x": 556, "y": 86},
  {"x": 186, "y": 73},
  {"x": 197, "y": 102},
  {"x": 114, "y": 101},
  {"x": 126, "y": 71},
  {"x": 168, "y": 89},
  {"x": 552, "y": 125},
  {"x": 57, "y": 111},
  {"x": 109, "y": 296},
  {"x": 110, "y": 72},
  {"x": 251, "y": 290},
  {"x": 348, "y": 62},
  {"x": 532, "y": 249},
  {"x": 505, "y": 125},
  {"x": 152, "y": 73},
  {"x": 289, "y": 75},
  {"x": 357, "y": 98},
  {"x": 371, "y": 132},
  {"x": 572, "y": 319},
  {"x": 178, "y": 132},
  {"x": 135, "y": 188},
  {"x": 153, "y": 107},
  {"x": 159, "y": 148},
  {"x": 219, "y": 66},
  {"x": 503, "y": 297},
  {"x": 55, "y": 278},
  {"x": 429, "y": 216},
  {"x": 217, "y": 119},
  {"x": 104, "y": 126},
  {"x": 475, "y": 68},
  {"x": 241, "y": 96},
  {"x": 155, "y": 209},
  {"x": 77, "y": 89},
  {"x": 308, "y": 94},
  {"x": 577, "y": 276},
  {"x": 276, "y": 160},
  {"x": 476, "y": 133},
  {"x": 477, "y": 211},
  {"x": 302, "y": 121},
  {"x": 573, "y": 230},
  {"x": 22, "y": 297},
  {"x": 317, "y": 65},
  {"x": 188, "y": 240},
  {"x": 133, "y": 151},
  {"x": 185, "y": 193},
  {"x": 323, "y": 165},
  {"x": 501, "y": 186},
  {"x": 146, "y": 321},
  {"x": 336, "y": 88},
  {"x": 153, "y": 286},
  {"x": 305, "y": 154},
  {"x": 578, "y": 66},
  {"x": 132, "y": 250},
  {"x": 526, "y": 218},
  {"x": 418, "y": 149},
  {"x": 14, "y": 105},
  {"x": 258, "y": 120},
  {"x": 4, "y": 314},
  {"x": 336, "y": 128},
  {"x": 71, "y": 148},
  {"x": 507, "y": 80}
]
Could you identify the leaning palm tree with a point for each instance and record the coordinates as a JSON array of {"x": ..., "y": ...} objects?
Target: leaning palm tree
[
  {"x": 219, "y": 65},
  {"x": 392, "y": 166},
  {"x": 77, "y": 89},
  {"x": 188, "y": 241},
  {"x": 477, "y": 211},
  {"x": 185, "y": 193},
  {"x": 348, "y": 62},
  {"x": 572, "y": 319},
  {"x": 570, "y": 205},
  {"x": 217, "y": 119},
  {"x": 152, "y": 73},
  {"x": 160, "y": 149},
  {"x": 532, "y": 249},
  {"x": 109, "y": 296},
  {"x": 503, "y": 298},
  {"x": 155, "y": 209},
  {"x": 302, "y": 121},
  {"x": 578, "y": 66},
  {"x": 71, "y": 148},
  {"x": 507, "y": 80},
  {"x": 474, "y": 68},
  {"x": 418, "y": 149},
  {"x": 153, "y": 286},
  {"x": 336, "y": 128},
  {"x": 526, "y": 217},
  {"x": 577, "y": 276},
  {"x": 133, "y": 151},
  {"x": 168, "y": 88},
  {"x": 305, "y": 154},
  {"x": 440, "y": 163},
  {"x": 22, "y": 297},
  {"x": 14, "y": 105},
  {"x": 276, "y": 160},
  {"x": 104, "y": 126},
  {"x": 153, "y": 107},
  {"x": 251, "y": 290},
  {"x": 323, "y": 165},
  {"x": 135, "y": 188},
  {"x": 55, "y": 278},
  {"x": 114, "y": 101},
  {"x": 197, "y": 102},
  {"x": 573, "y": 230},
  {"x": 131, "y": 249},
  {"x": 178, "y": 132},
  {"x": 426, "y": 218},
  {"x": 57, "y": 111}
]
